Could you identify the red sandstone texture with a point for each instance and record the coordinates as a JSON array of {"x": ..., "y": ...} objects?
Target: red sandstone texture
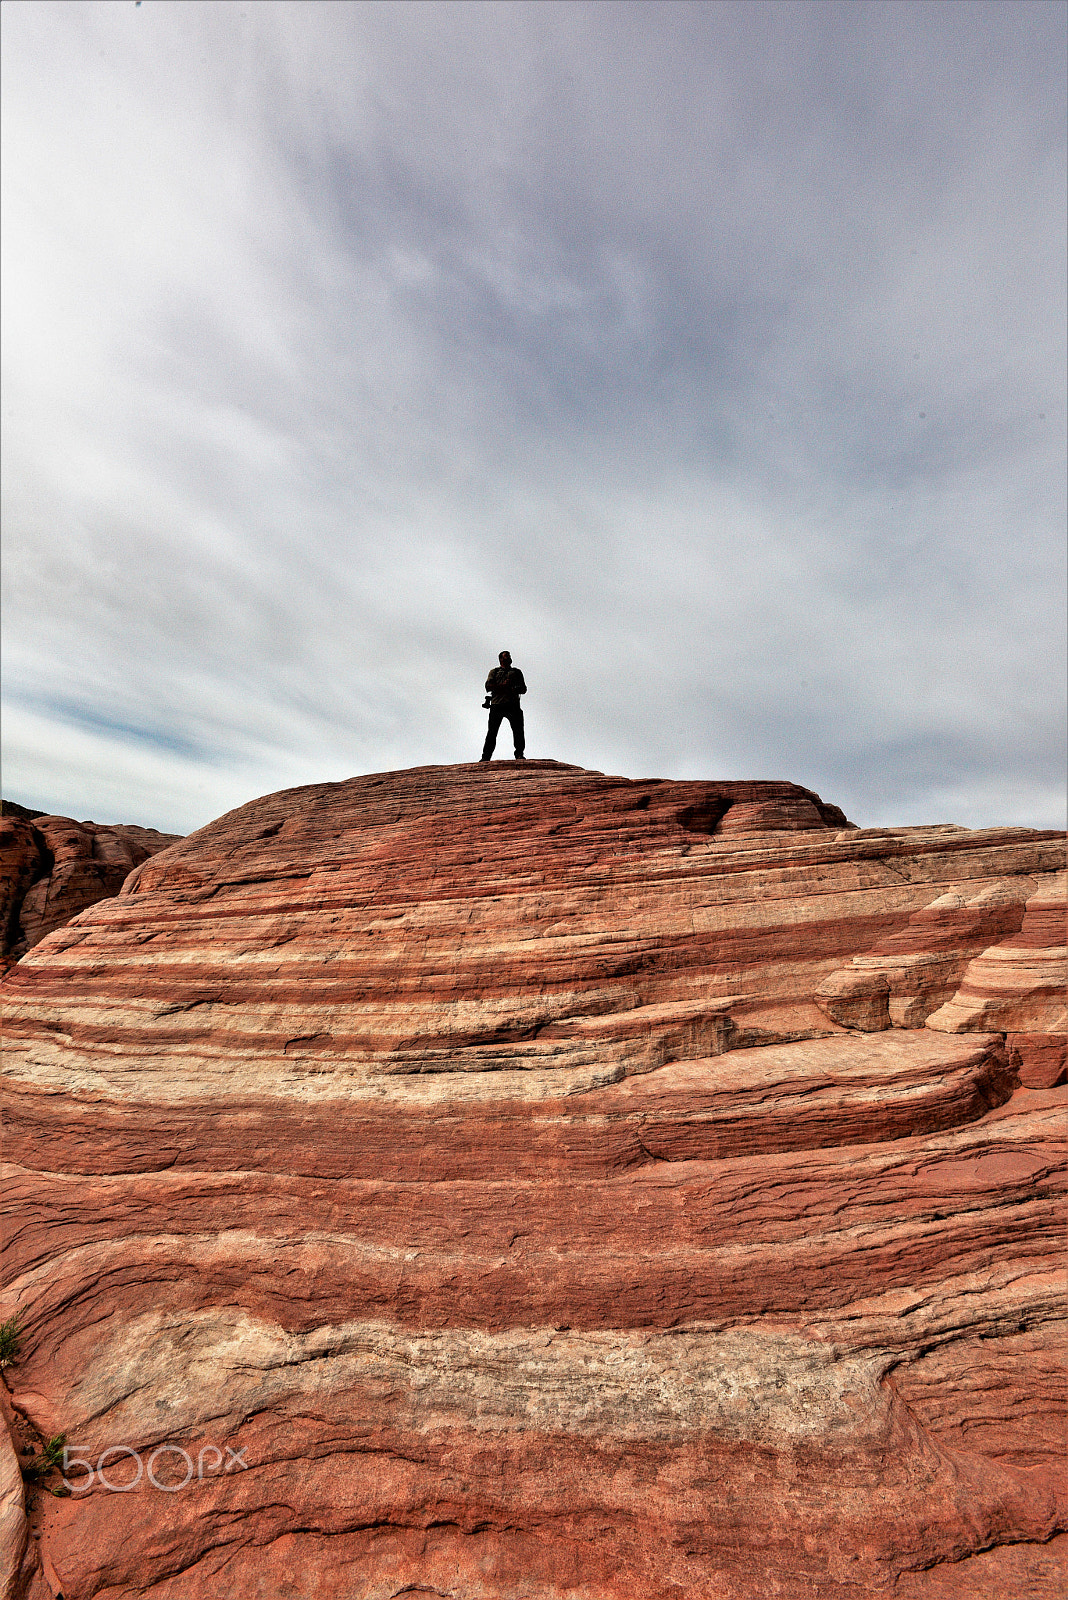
[
  {"x": 53, "y": 867},
  {"x": 507, "y": 1182}
]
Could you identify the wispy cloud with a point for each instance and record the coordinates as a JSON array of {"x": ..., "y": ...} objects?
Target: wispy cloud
[{"x": 708, "y": 357}]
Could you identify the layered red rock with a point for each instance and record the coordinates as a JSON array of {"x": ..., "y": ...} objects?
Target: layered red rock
[
  {"x": 21, "y": 860},
  {"x": 1017, "y": 984},
  {"x": 51, "y": 868},
  {"x": 922, "y": 972},
  {"x": 461, "y": 1158}
]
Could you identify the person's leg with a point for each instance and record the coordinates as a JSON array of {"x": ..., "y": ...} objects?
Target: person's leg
[
  {"x": 516, "y": 719},
  {"x": 495, "y": 718}
]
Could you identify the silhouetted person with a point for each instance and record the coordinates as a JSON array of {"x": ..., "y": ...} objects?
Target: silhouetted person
[{"x": 503, "y": 688}]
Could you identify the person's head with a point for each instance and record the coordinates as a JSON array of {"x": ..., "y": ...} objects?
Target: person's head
[{"x": 505, "y": 659}]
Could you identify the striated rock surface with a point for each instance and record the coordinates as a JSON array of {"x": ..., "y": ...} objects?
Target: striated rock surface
[
  {"x": 53, "y": 867},
  {"x": 1016, "y": 985},
  {"x": 507, "y": 1181}
]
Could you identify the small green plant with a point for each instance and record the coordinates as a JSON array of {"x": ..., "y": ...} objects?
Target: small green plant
[
  {"x": 50, "y": 1458},
  {"x": 10, "y": 1340}
]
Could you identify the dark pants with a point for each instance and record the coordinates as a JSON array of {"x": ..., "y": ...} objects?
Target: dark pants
[{"x": 514, "y": 712}]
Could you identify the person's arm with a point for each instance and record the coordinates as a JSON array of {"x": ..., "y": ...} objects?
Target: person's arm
[{"x": 521, "y": 687}]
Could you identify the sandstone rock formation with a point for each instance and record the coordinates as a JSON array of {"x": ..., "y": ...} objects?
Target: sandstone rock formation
[
  {"x": 53, "y": 867},
  {"x": 507, "y": 1181}
]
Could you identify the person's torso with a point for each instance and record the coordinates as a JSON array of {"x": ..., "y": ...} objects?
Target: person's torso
[{"x": 505, "y": 683}]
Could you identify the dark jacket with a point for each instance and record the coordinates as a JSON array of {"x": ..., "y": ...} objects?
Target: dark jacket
[{"x": 504, "y": 686}]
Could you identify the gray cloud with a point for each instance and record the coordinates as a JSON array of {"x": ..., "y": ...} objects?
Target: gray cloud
[{"x": 708, "y": 357}]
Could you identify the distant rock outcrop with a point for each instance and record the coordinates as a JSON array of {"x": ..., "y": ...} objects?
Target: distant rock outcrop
[
  {"x": 53, "y": 867},
  {"x": 508, "y": 1182}
]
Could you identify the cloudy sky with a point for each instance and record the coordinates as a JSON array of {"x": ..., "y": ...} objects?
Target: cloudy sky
[{"x": 709, "y": 357}]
